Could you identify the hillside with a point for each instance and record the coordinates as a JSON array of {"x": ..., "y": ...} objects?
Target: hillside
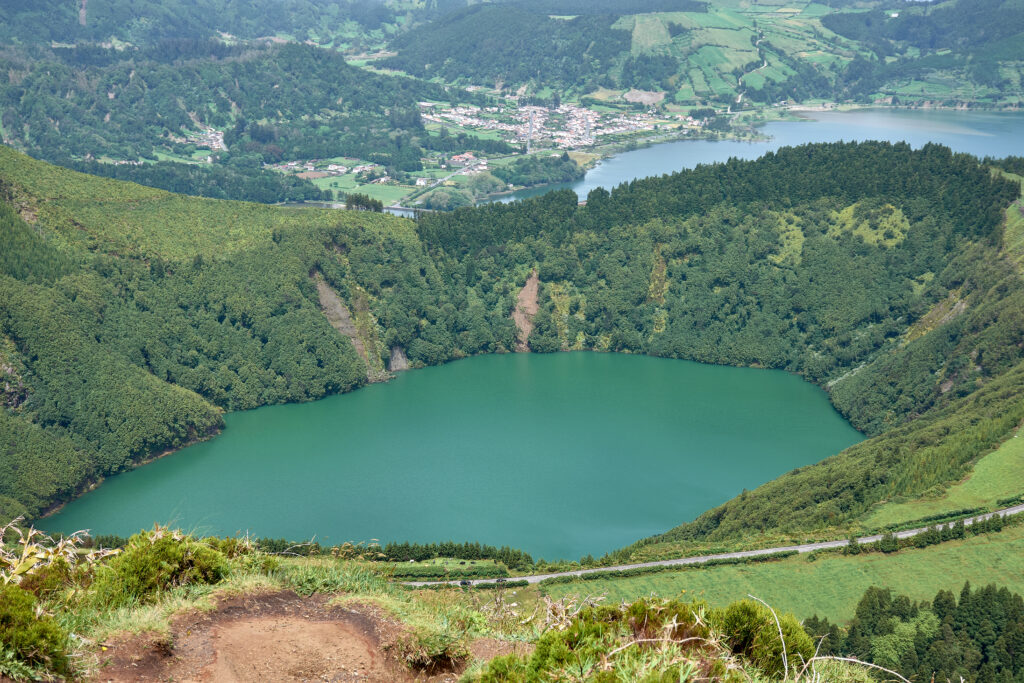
[
  {"x": 210, "y": 119},
  {"x": 731, "y": 53},
  {"x": 823, "y": 260}
]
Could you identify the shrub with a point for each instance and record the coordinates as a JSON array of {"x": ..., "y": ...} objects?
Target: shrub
[
  {"x": 153, "y": 562},
  {"x": 48, "y": 579},
  {"x": 751, "y": 631},
  {"x": 650, "y": 640},
  {"x": 36, "y": 641}
]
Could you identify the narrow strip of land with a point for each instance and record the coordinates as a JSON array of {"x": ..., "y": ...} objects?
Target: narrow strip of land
[{"x": 701, "y": 559}]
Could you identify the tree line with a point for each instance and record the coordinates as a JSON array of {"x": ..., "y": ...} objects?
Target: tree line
[{"x": 976, "y": 636}]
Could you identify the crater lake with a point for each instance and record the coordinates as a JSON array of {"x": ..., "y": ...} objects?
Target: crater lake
[{"x": 560, "y": 455}]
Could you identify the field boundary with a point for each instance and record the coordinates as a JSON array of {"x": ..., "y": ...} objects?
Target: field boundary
[{"x": 704, "y": 559}]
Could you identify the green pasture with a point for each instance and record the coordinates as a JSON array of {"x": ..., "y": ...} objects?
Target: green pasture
[
  {"x": 389, "y": 194},
  {"x": 454, "y": 129},
  {"x": 700, "y": 84},
  {"x": 649, "y": 33},
  {"x": 831, "y": 585},
  {"x": 754, "y": 80},
  {"x": 816, "y": 10},
  {"x": 345, "y": 183},
  {"x": 730, "y": 40},
  {"x": 997, "y": 476}
]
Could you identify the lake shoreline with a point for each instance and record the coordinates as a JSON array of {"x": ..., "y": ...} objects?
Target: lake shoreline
[
  {"x": 94, "y": 484},
  {"x": 200, "y": 503}
]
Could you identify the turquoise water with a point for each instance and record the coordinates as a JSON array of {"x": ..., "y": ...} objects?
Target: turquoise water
[{"x": 561, "y": 455}]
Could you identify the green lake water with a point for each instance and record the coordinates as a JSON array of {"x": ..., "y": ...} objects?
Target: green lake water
[{"x": 561, "y": 455}]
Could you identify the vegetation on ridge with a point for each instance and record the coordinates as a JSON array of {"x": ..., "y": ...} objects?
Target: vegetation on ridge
[{"x": 814, "y": 259}]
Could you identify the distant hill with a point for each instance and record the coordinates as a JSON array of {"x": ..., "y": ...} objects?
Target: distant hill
[
  {"x": 730, "y": 52},
  {"x": 145, "y": 22},
  {"x": 507, "y": 44}
]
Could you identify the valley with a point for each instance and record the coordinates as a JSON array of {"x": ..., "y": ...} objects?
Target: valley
[{"x": 512, "y": 341}]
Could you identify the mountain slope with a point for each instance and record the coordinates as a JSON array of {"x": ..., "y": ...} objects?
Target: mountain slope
[{"x": 826, "y": 260}]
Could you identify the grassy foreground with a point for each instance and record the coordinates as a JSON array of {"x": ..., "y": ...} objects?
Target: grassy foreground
[
  {"x": 831, "y": 584},
  {"x": 61, "y": 607}
]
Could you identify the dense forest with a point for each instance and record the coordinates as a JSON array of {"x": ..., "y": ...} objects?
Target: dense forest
[
  {"x": 209, "y": 180},
  {"x": 150, "y": 21},
  {"x": 539, "y": 170},
  {"x": 977, "y": 637},
  {"x": 561, "y": 51},
  {"x": 136, "y": 106},
  {"x": 131, "y": 318},
  {"x": 958, "y": 26}
]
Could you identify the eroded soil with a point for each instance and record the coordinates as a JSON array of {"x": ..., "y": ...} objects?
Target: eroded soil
[
  {"x": 526, "y": 308},
  {"x": 276, "y": 636}
]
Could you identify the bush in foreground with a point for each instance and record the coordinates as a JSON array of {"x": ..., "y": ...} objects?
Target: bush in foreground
[
  {"x": 663, "y": 640},
  {"x": 29, "y": 639},
  {"x": 153, "y": 562}
]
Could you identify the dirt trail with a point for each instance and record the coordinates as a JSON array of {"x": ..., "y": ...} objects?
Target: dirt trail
[
  {"x": 276, "y": 636},
  {"x": 252, "y": 650},
  {"x": 526, "y": 308}
]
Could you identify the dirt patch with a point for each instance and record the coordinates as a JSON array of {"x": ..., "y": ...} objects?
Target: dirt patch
[
  {"x": 339, "y": 316},
  {"x": 486, "y": 649},
  {"x": 940, "y": 314},
  {"x": 526, "y": 308},
  {"x": 644, "y": 96},
  {"x": 277, "y": 636}
]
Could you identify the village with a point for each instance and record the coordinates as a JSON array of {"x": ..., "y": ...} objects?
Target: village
[
  {"x": 533, "y": 129},
  {"x": 568, "y": 126}
]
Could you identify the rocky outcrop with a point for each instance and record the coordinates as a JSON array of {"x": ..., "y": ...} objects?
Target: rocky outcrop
[{"x": 398, "y": 361}]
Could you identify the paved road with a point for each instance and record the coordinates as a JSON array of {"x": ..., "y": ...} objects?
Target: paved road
[{"x": 701, "y": 559}]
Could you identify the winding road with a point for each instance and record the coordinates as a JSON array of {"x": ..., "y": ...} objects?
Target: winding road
[{"x": 701, "y": 559}]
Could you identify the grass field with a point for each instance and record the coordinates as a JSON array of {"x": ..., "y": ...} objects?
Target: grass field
[
  {"x": 833, "y": 584},
  {"x": 345, "y": 183},
  {"x": 649, "y": 33},
  {"x": 1013, "y": 236},
  {"x": 605, "y": 95},
  {"x": 455, "y": 130},
  {"x": 389, "y": 194},
  {"x": 996, "y": 476}
]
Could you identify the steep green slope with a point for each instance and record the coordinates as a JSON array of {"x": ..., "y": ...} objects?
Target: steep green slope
[
  {"x": 130, "y": 318},
  {"x": 147, "y": 22},
  {"x": 564, "y": 52},
  {"x": 970, "y": 50}
]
